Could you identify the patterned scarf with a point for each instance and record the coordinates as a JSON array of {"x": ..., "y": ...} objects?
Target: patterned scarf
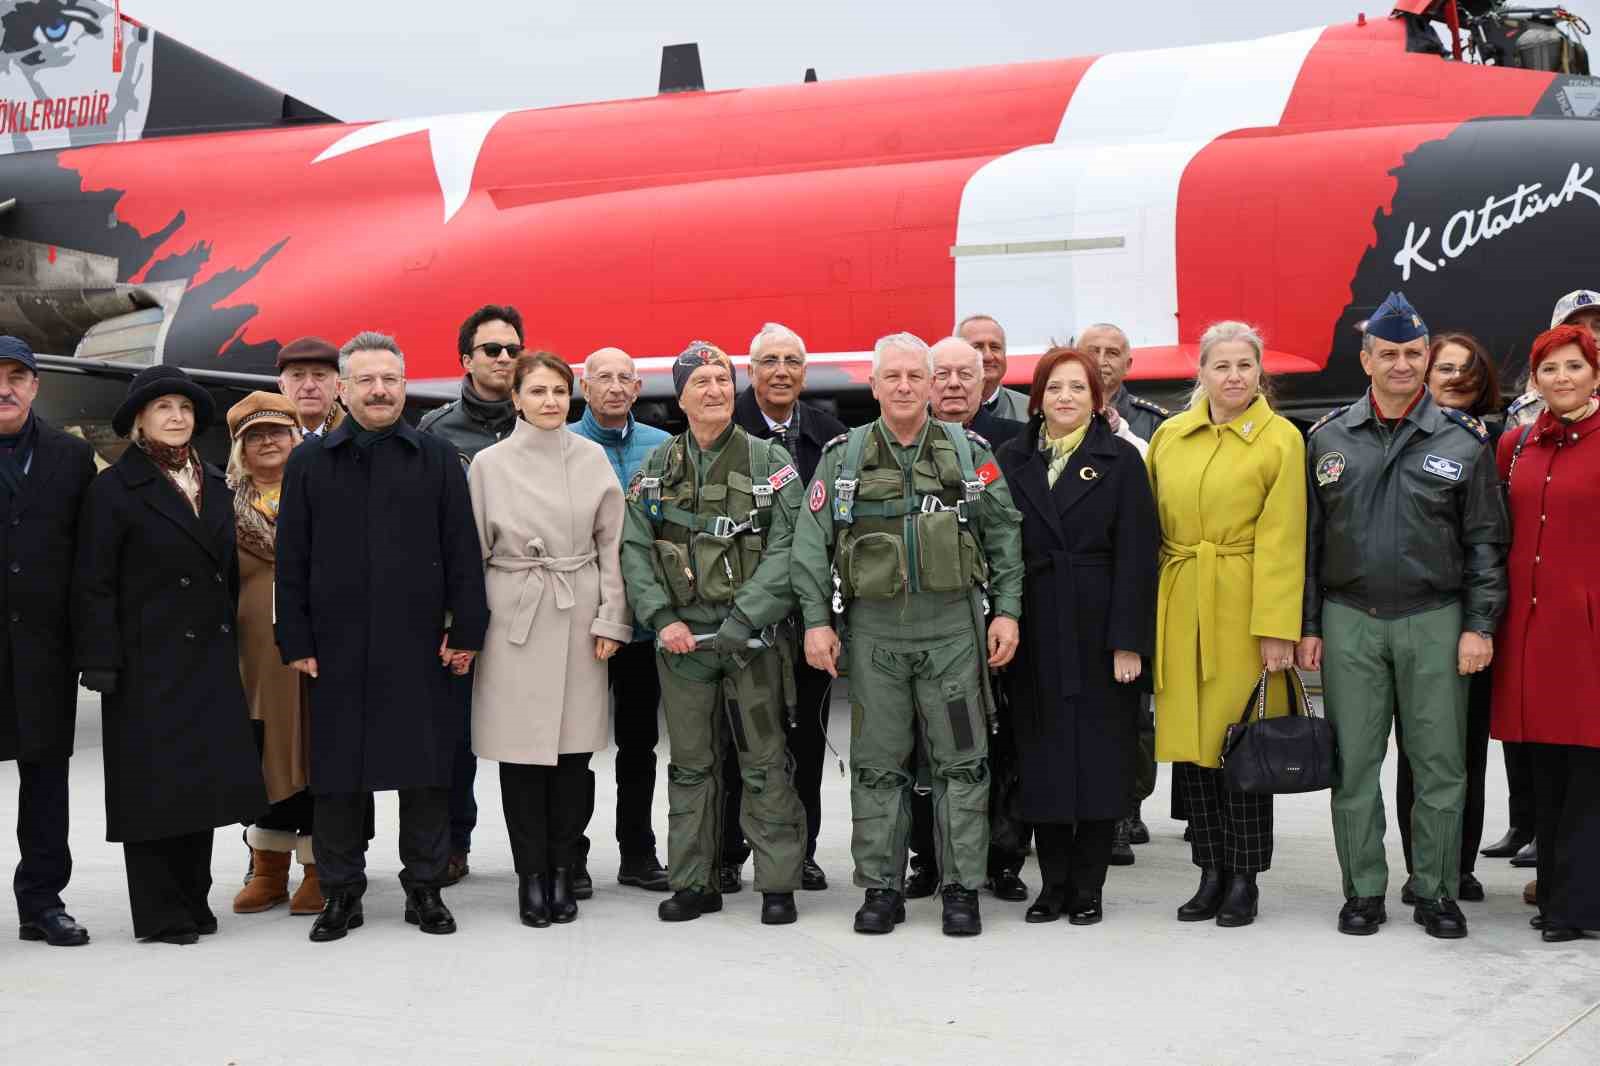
[
  {"x": 255, "y": 516},
  {"x": 181, "y": 464},
  {"x": 1059, "y": 450}
]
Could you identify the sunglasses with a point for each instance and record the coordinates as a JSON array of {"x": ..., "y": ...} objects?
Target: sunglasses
[{"x": 494, "y": 349}]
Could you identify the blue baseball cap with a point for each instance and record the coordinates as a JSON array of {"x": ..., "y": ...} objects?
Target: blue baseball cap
[{"x": 17, "y": 351}]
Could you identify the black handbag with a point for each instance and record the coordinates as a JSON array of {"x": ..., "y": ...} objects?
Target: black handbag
[{"x": 1270, "y": 756}]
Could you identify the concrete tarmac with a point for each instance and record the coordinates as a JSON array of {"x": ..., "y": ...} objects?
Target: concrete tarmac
[{"x": 618, "y": 986}]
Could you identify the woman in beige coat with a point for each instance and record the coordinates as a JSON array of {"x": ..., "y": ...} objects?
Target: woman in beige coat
[
  {"x": 265, "y": 429},
  {"x": 549, "y": 514}
]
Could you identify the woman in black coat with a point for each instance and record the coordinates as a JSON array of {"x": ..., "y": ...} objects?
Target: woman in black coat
[
  {"x": 1089, "y": 540},
  {"x": 155, "y": 591}
]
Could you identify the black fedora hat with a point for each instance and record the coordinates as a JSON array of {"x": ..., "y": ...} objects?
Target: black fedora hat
[{"x": 154, "y": 382}]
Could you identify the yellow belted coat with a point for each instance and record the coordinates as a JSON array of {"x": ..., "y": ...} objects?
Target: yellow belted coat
[{"x": 1232, "y": 504}]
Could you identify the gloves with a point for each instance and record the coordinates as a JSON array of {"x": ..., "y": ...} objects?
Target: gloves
[
  {"x": 101, "y": 681},
  {"x": 733, "y": 635}
]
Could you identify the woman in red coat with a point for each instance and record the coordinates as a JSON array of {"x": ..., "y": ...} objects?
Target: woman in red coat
[{"x": 1550, "y": 662}]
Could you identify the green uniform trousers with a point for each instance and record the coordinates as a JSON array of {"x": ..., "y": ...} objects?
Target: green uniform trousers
[
  {"x": 709, "y": 702},
  {"x": 899, "y": 685},
  {"x": 1370, "y": 668}
]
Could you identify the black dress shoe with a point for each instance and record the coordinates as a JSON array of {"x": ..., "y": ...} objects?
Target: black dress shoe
[
  {"x": 1361, "y": 915},
  {"x": 730, "y": 878},
  {"x": 1203, "y": 905},
  {"x": 883, "y": 910},
  {"x": 961, "y": 917},
  {"x": 563, "y": 896},
  {"x": 1560, "y": 934},
  {"x": 777, "y": 908},
  {"x": 582, "y": 883},
  {"x": 1441, "y": 918},
  {"x": 812, "y": 879},
  {"x": 1527, "y": 856},
  {"x": 1537, "y": 921},
  {"x": 1508, "y": 845},
  {"x": 56, "y": 928},
  {"x": 1470, "y": 889},
  {"x": 176, "y": 936},
  {"x": 340, "y": 914},
  {"x": 1408, "y": 897},
  {"x": 1048, "y": 907},
  {"x": 1239, "y": 901},
  {"x": 1121, "y": 851},
  {"x": 1008, "y": 886},
  {"x": 687, "y": 904},
  {"x": 1138, "y": 832},
  {"x": 643, "y": 871},
  {"x": 1085, "y": 912},
  {"x": 207, "y": 925},
  {"x": 533, "y": 901},
  {"x": 425, "y": 909},
  {"x": 922, "y": 882}
]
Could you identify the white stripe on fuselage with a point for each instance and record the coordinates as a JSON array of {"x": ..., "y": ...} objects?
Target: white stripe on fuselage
[{"x": 1126, "y": 137}]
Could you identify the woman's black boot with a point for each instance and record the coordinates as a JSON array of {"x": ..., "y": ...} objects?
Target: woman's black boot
[
  {"x": 532, "y": 902},
  {"x": 563, "y": 904},
  {"x": 1202, "y": 907},
  {"x": 1239, "y": 901}
]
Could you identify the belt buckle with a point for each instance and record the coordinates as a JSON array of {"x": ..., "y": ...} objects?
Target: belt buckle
[
  {"x": 933, "y": 505},
  {"x": 972, "y": 489},
  {"x": 723, "y": 527},
  {"x": 845, "y": 490},
  {"x": 763, "y": 495},
  {"x": 650, "y": 487}
]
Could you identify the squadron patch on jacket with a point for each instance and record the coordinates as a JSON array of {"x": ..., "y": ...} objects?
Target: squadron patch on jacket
[
  {"x": 633, "y": 485},
  {"x": 818, "y": 497},
  {"x": 782, "y": 478},
  {"x": 1330, "y": 468},
  {"x": 1467, "y": 422},
  {"x": 1325, "y": 419}
]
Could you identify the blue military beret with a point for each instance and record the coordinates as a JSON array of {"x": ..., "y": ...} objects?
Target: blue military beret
[{"x": 1396, "y": 320}]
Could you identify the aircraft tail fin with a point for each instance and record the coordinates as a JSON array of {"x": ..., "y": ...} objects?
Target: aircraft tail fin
[{"x": 78, "y": 72}]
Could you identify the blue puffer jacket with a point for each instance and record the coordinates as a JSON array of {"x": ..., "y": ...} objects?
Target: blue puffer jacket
[{"x": 627, "y": 448}]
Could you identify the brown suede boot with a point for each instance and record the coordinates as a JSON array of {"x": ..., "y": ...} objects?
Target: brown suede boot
[
  {"x": 269, "y": 854},
  {"x": 308, "y": 897}
]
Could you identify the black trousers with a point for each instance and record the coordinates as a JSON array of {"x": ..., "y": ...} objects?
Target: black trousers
[
  {"x": 636, "y": 727},
  {"x": 45, "y": 863},
  {"x": 1232, "y": 830},
  {"x": 545, "y": 807},
  {"x": 1519, "y": 782},
  {"x": 297, "y": 815},
  {"x": 168, "y": 880},
  {"x": 1073, "y": 857},
  {"x": 808, "y": 748},
  {"x": 340, "y": 840},
  {"x": 464, "y": 773},
  {"x": 1479, "y": 696},
  {"x": 1568, "y": 781}
]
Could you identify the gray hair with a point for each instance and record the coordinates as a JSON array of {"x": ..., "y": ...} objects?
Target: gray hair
[
  {"x": 906, "y": 341},
  {"x": 368, "y": 340},
  {"x": 1369, "y": 341},
  {"x": 774, "y": 332},
  {"x": 1228, "y": 332},
  {"x": 977, "y": 355},
  {"x": 1111, "y": 326},
  {"x": 606, "y": 351},
  {"x": 981, "y": 318}
]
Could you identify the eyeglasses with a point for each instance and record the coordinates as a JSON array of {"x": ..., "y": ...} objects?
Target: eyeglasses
[
  {"x": 606, "y": 380},
  {"x": 772, "y": 362},
  {"x": 367, "y": 381},
  {"x": 494, "y": 349},
  {"x": 263, "y": 434}
]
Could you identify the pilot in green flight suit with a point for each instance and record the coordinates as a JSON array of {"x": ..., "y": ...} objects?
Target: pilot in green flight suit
[
  {"x": 906, "y": 521},
  {"x": 706, "y": 552}
]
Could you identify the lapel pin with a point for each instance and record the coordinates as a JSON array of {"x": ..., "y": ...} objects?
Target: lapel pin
[{"x": 1088, "y": 473}]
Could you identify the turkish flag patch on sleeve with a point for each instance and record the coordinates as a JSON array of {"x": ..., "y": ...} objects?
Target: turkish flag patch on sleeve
[{"x": 989, "y": 472}]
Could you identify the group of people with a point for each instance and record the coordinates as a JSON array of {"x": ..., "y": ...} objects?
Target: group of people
[{"x": 1035, "y": 598}]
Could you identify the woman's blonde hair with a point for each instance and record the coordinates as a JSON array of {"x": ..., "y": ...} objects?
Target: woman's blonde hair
[
  {"x": 237, "y": 472},
  {"x": 1225, "y": 333}
]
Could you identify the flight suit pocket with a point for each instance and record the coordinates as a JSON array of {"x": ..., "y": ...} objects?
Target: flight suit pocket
[
  {"x": 876, "y": 566},
  {"x": 939, "y": 566},
  {"x": 717, "y": 567},
  {"x": 974, "y": 566},
  {"x": 672, "y": 567},
  {"x": 750, "y": 549}
]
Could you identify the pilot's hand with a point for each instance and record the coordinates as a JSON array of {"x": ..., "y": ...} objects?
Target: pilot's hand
[
  {"x": 822, "y": 649},
  {"x": 676, "y": 639},
  {"x": 1003, "y": 638}
]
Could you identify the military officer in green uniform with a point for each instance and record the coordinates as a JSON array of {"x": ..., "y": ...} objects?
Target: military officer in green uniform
[
  {"x": 907, "y": 521},
  {"x": 705, "y": 555},
  {"x": 1405, "y": 581}
]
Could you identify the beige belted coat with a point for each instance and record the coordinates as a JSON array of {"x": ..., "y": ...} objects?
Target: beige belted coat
[{"x": 549, "y": 512}]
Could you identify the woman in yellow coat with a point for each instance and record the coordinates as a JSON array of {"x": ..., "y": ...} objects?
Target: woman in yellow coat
[{"x": 1230, "y": 487}]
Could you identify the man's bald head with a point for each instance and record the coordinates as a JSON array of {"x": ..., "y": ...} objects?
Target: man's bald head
[
  {"x": 611, "y": 384},
  {"x": 957, "y": 380}
]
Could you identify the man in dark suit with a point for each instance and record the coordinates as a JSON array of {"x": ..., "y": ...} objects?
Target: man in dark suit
[
  {"x": 43, "y": 475},
  {"x": 771, "y": 409}
]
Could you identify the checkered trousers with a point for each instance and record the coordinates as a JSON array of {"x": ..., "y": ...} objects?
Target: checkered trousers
[{"x": 1230, "y": 829}]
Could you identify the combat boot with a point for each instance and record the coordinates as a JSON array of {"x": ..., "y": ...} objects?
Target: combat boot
[
  {"x": 883, "y": 910},
  {"x": 961, "y": 917},
  {"x": 687, "y": 904},
  {"x": 777, "y": 908},
  {"x": 1121, "y": 850}
]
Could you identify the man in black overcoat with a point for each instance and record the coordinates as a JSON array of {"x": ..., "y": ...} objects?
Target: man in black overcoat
[
  {"x": 380, "y": 597},
  {"x": 771, "y": 409},
  {"x": 43, "y": 475}
]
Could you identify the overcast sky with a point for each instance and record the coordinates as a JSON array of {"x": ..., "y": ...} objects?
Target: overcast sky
[{"x": 369, "y": 59}]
